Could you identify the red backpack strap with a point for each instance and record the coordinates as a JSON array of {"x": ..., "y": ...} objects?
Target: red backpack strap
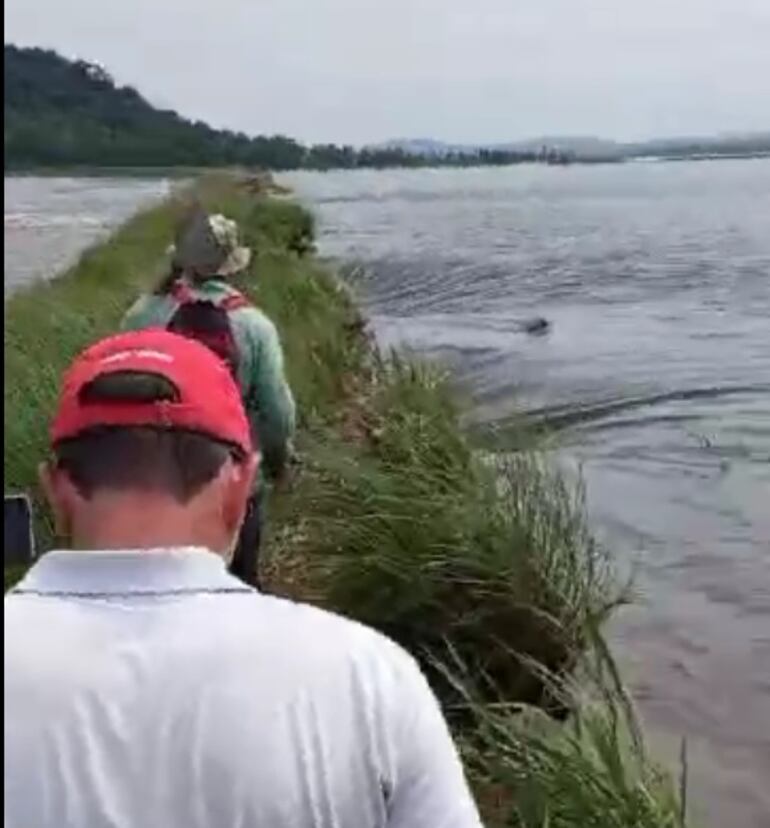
[{"x": 234, "y": 301}]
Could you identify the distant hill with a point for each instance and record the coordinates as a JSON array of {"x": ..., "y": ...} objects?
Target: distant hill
[
  {"x": 63, "y": 113},
  {"x": 426, "y": 147},
  {"x": 577, "y": 148},
  {"x": 590, "y": 148},
  {"x": 586, "y": 147},
  {"x": 753, "y": 143}
]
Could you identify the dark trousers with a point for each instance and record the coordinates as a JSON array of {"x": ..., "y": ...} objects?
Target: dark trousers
[{"x": 245, "y": 563}]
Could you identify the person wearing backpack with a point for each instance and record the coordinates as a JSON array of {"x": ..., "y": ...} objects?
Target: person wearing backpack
[{"x": 195, "y": 299}]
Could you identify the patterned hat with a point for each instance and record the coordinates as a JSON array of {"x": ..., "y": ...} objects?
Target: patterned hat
[{"x": 209, "y": 245}]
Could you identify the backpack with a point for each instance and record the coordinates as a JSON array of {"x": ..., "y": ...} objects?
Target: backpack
[{"x": 208, "y": 322}]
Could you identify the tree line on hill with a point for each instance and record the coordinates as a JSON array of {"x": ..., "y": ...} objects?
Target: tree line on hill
[{"x": 61, "y": 113}]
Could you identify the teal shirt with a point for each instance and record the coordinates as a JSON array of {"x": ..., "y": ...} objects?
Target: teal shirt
[{"x": 266, "y": 395}]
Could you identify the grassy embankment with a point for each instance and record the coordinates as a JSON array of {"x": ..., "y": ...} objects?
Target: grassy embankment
[{"x": 484, "y": 570}]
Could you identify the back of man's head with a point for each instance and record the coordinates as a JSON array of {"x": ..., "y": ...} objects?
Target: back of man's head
[{"x": 151, "y": 447}]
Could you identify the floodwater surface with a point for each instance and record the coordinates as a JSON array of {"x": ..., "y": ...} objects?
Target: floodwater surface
[
  {"x": 49, "y": 221},
  {"x": 655, "y": 278}
]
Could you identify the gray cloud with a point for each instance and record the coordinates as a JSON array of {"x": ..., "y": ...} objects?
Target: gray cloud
[{"x": 365, "y": 70}]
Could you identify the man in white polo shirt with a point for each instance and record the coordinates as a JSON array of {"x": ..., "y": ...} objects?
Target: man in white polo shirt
[{"x": 145, "y": 687}]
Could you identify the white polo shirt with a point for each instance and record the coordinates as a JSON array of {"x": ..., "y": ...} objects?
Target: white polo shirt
[{"x": 154, "y": 690}]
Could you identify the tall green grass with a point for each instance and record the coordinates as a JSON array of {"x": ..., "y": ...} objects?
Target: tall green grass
[
  {"x": 395, "y": 519},
  {"x": 412, "y": 531},
  {"x": 532, "y": 773}
]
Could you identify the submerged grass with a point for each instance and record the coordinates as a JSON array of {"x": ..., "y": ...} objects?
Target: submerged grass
[{"x": 395, "y": 518}]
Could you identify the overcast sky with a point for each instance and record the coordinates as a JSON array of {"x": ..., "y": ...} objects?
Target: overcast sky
[{"x": 460, "y": 70}]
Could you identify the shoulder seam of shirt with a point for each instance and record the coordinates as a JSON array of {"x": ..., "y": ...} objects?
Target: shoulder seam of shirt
[{"x": 138, "y": 593}]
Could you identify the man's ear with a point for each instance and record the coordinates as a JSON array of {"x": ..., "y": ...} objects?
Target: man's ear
[
  {"x": 240, "y": 483},
  {"x": 58, "y": 491}
]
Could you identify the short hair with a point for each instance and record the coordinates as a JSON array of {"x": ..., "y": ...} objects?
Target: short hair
[{"x": 168, "y": 461}]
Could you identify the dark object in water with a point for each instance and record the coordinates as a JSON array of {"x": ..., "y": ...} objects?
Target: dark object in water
[{"x": 537, "y": 325}]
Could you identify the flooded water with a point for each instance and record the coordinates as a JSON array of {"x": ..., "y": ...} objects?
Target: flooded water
[
  {"x": 656, "y": 281},
  {"x": 48, "y": 221}
]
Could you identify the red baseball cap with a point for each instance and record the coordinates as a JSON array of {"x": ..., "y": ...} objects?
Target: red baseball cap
[{"x": 197, "y": 392}]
